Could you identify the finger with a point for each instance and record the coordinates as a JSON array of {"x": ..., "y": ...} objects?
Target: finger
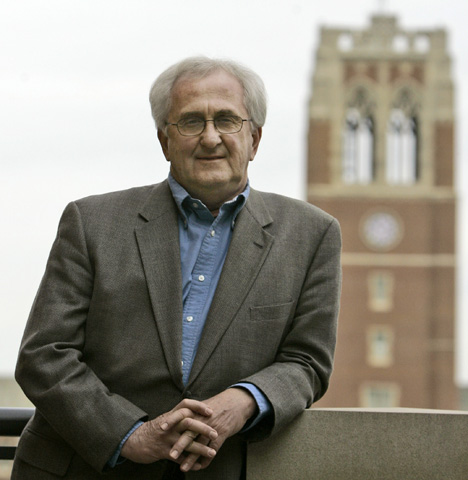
[
  {"x": 185, "y": 409},
  {"x": 196, "y": 460},
  {"x": 198, "y": 427},
  {"x": 187, "y": 442},
  {"x": 216, "y": 444},
  {"x": 200, "y": 449},
  {"x": 183, "y": 442},
  {"x": 174, "y": 417},
  {"x": 190, "y": 463},
  {"x": 196, "y": 406}
]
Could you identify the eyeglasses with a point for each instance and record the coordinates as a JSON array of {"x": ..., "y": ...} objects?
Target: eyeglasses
[{"x": 191, "y": 126}]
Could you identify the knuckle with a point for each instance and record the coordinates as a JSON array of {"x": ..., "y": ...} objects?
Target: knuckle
[{"x": 186, "y": 412}]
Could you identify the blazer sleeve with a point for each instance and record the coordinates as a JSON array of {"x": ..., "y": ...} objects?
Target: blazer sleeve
[
  {"x": 51, "y": 369},
  {"x": 301, "y": 372}
]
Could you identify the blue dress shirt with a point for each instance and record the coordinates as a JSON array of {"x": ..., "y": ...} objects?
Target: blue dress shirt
[{"x": 204, "y": 242}]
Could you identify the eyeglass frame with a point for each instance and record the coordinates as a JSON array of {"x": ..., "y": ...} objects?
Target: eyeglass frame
[{"x": 214, "y": 124}]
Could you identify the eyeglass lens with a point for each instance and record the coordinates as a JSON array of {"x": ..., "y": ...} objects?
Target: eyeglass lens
[{"x": 196, "y": 125}]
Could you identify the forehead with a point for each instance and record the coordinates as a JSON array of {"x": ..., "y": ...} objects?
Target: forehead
[{"x": 217, "y": 91}]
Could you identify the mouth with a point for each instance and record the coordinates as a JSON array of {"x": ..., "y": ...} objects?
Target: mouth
[{"x": 209, "y": 157}]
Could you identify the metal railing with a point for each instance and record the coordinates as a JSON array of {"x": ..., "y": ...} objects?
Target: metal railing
[{"x": 12, "y": 423}]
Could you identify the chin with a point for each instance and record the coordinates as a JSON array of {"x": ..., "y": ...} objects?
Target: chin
[{"x": 214, "y": 181}]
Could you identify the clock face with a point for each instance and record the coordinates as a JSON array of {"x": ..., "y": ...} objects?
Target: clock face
[{"x": 381, "y": 230}]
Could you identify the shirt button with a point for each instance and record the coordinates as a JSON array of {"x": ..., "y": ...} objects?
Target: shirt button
[
  {"x": 201, "y": 278},
  {"x": 195, "y": 205},
  {"x": 189, "y": 318},
  {"x": 212, "y": 233}
]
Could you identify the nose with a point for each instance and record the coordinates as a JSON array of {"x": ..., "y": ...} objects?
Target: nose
[{"x": 210, "y": 137}]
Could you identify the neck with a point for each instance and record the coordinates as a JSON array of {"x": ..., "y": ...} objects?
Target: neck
[
  {"x": 214, "y": 203},
  {"x": 212, "y": 197}
]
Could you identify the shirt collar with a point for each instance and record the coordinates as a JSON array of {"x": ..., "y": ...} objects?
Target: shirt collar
[{"x": 185, "y": 202}]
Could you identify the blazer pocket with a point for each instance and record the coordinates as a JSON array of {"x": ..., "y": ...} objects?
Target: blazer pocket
[
  {"x": 271, "y": 312},
  {"x": 40, "y": 452}
]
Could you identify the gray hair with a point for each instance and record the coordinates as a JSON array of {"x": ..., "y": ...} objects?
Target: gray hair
[{"x": 255, "y": 97}]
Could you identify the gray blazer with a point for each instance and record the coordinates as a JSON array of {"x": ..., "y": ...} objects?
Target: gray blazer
[{"x": 102, "y": 346}]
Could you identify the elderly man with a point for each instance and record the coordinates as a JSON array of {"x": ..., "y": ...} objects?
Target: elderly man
[{"x": 176, "y": 322}]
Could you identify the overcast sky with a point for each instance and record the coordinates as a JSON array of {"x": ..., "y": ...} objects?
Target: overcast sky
[{"x": 75, "y": 119}]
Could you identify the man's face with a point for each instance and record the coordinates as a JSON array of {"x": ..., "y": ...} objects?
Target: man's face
[{"x": 210, "y": 166}]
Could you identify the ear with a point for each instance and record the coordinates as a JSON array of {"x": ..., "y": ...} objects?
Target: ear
[
  {"x": 256, "y": 137},
  {"x": 164, "y": 141}
]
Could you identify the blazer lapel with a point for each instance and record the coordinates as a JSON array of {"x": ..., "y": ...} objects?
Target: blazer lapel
[
  {"x": 158, "y": 241},
  {"x": 248, "y": 250}
]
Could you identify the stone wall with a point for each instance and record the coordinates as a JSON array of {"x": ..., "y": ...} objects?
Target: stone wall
[{"x": 360, "y": 444}]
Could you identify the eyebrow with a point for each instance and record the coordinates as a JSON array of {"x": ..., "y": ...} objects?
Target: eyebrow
[{"x": 217, "y": 114}]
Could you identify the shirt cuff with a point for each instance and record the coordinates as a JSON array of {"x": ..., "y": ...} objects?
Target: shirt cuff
[
  {"x": 263, "y": 404},
  {"x": 116, "y": 459}
]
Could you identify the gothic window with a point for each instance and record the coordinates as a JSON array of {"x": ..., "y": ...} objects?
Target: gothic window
[
  {"x": 422, "y": 43},
  {"x": 358, "y": 141},
  {"x": 345, "y": 42},
  {"x": 400, "y": 43},
  {"x": 402, "y": 142}
]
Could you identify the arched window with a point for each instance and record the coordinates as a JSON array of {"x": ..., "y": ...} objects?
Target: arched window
[
  {"x": 358, "y": 141},
  {"x": 402, "y": 143}
]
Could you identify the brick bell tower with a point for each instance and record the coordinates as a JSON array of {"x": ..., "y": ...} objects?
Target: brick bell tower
[{"x": 381, "y": 160}]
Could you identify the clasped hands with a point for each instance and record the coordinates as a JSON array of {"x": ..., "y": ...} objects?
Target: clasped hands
[{"x": 192, "y": 432}]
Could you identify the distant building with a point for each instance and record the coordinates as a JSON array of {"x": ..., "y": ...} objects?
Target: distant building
[
  {"x": 463, "y": 398},
  {"x": 11, "y": 394},
  {"x": 381, "y": 160}
]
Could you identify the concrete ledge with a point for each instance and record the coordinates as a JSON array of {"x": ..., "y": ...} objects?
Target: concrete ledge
[{"x": 362, "y": 444}]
